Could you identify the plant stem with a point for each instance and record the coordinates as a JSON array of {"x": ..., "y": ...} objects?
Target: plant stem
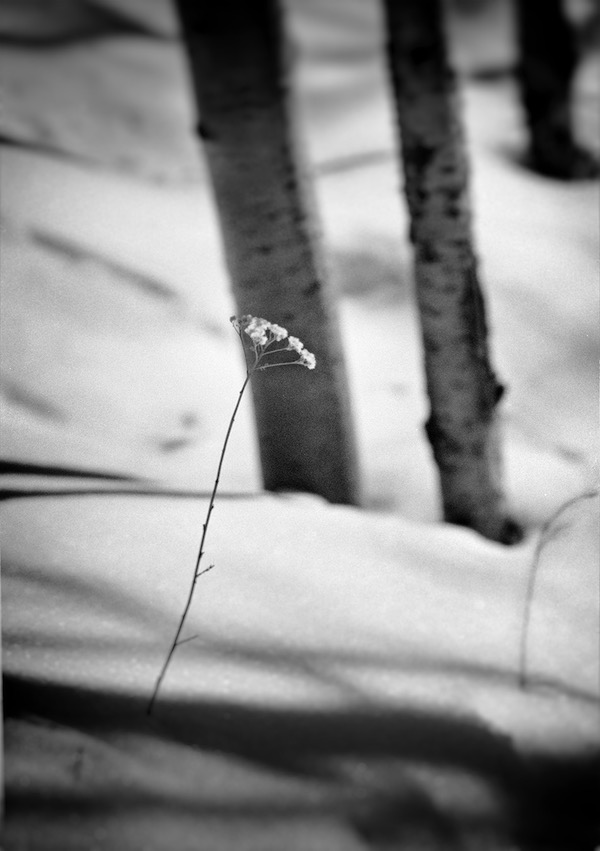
[
  {"x": 545, "y": 536},
  {"x": 197, "y": 571}
]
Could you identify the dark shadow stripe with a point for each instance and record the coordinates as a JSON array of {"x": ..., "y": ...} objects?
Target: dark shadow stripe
[
  {"x": 28, "y": 469},
  {"x": 25, "y": 492}
]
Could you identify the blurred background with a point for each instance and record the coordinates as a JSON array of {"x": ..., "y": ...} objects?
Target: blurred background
[{"x": 117, "y": 354}]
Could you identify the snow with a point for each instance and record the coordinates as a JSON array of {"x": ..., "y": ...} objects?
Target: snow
[
  {"x": 311, "y": 612},
  {"x": 343, "y": 656},
  {"x": 296, "y": 578}
]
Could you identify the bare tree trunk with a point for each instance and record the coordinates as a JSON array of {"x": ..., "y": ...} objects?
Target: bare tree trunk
[
  {"x": 462, "y": 387},
  {"x": 238, "y": 58},
  {"x": 548, "y": 60}
]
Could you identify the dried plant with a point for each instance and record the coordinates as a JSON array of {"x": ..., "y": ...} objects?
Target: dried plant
[{"x": 261, "y": 340}]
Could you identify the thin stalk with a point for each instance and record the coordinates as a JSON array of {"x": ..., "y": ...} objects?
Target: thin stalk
[
  {"x": 531, "y": 580},
  {"x": 197, "y": 572},
  {"x": 545, "y": 535}
]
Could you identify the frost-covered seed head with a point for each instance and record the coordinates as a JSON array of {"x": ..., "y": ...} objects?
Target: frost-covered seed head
[
  {"x": 278, "y": 332},
  {"x": 257, "y": 329},
  {"x": 263, "y": 333},
  {"x": 308, "y": 359}
]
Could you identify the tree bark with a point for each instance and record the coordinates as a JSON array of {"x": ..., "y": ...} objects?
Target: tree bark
[
  {"x": 239, "y": 67},
  {"x": 463, "y": 390},
  {"x": 548, "y": 60}
]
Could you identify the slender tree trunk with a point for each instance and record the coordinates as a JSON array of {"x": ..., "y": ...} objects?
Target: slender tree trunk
[
  {"x": 462, "y": 387},
  {"x": 548, "y": 60},
  {"x": 238, "y": 58}
]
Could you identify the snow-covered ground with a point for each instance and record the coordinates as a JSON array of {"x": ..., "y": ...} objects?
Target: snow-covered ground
[{"x": 355, "y": 670}]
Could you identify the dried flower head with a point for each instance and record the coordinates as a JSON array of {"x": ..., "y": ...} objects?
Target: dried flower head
[{"x": 263, "y": 334}]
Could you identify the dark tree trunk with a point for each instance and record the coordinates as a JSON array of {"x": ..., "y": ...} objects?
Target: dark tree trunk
[
  {"x": 238, "y": 58},
  {"x": 548, "y": 60},
  {"x": 462, "y": 388}
]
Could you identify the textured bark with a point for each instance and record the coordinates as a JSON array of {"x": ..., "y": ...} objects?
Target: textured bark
[
  {"x": 238, "y": 58},
  {"x": 548, "y": 60},
  {"x": 462, "y": 388}
]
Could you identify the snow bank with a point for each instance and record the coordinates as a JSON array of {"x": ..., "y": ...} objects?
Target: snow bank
[{"x": 309, "y": 604}]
